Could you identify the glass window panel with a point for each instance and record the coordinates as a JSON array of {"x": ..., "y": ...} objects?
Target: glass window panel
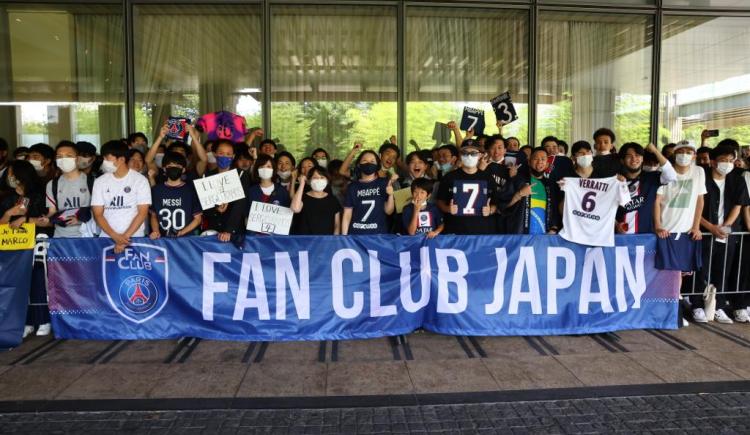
[
  {"x": 61, "y": 73},
  {"x": 705, "y": 78},
  {"x": 457, "y": 58},
  {"x": 192, "y": 59},
  {"x": 594, "y": 71},
  {"x": 708, "y": 3},
  {"x": 333, "y": 77},
  {"x": 611, "y": 3}
]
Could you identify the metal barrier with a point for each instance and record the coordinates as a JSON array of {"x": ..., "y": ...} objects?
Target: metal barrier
[{"x": 731, "y": 270}]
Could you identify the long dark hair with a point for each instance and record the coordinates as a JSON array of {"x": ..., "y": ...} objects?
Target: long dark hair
[{"x": 26, "y": 176}]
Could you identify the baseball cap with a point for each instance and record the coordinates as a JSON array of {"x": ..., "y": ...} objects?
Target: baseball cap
[
  {"x": 685, "y": 144},
  {"x": 470, "y": 143}
]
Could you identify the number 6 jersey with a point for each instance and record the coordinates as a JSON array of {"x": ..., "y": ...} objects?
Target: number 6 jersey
[{"x": 590, "y": 209}]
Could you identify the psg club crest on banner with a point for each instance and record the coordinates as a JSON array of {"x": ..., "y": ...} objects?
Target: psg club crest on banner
[{"x": 136, "y": 280}]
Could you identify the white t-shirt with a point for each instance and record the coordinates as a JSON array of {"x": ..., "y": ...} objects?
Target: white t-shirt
[
  {"x": 591, "y": 208},
  {"x": 679, "y": 198},
  {"x": 120, "y": 198},
  {"x": 720, "y": 184}
]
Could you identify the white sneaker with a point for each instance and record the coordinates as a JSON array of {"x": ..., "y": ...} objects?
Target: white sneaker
[
  {"x": 722, "y": 317},
  {"x": 741, "y": 316},
  {"x": 44, "y": 329},
  {"x": 28, "y": 329},
  {"x": 699, "y": 316},
  {"x": 685, "y": 323}
]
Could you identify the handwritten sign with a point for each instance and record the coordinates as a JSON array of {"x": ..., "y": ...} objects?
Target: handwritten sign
[
  {"x": 269, "y": 218},
  {"x": 473, "y": 119},
  {"x": 504, "y": 109},
  {"x": 14, "y": 239},
  {"x": 221, "y": 188},
  {"x": 401, "y": 198}
]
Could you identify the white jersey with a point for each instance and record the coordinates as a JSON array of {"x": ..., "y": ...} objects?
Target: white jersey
[
  {"x": 120, "y": 198},
  {"x": 590, "y": 209}
]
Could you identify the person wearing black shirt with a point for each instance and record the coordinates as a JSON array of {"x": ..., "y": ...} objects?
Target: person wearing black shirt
[
  {"x": 557, "y": 166},
  {"x": 466, "y": 196},
  {"x": 26, "y": 204},
  {"x": 723, "y": 202},
  {"x": 534, "y": 205},
  {"x": 606, "y": 162},
  {"x": 318, "y": 212}
]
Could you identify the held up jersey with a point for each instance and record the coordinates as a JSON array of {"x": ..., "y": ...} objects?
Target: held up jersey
[{"x": 590, "y": 209}]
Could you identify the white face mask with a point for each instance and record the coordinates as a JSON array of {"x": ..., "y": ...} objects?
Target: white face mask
[
  {"x": 108, "y": 167},
  {"x": 470, "y": 161},
  {"x": 603, "y": 153},
  {"x": 284, "y": 175},
  {"x": 66, "y": 164},
  {"x": 650, "y": 168},
  {"x": 323, "y": 163},
  {"x": 85, "y": 162},
  {"x": 158, "y": 159},
  {"x": 211, "y": 158},
  {"x": 683, "y": 159},
  {"x": 36, "y": 164},
  {"x": 585, "y": 160},
  {"x": 318, "y": 184},
  {"x": 724, "y": 168},
  {"x": 265, "y": 173}
]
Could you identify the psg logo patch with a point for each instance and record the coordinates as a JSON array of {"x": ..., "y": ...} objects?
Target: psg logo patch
[
  {"x": 136, "y": 280},
  {"x": 127, "y": 189},
  {"x": 84, "y": 189}
]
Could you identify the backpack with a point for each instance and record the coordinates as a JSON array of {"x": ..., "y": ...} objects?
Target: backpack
[{"x": 84, "y": 213}]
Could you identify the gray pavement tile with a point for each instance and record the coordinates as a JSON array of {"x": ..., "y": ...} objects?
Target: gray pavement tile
[
  {"x": 608, "y": 369},
  {"x": 433, "y": 347},
  {"x": 376, "y": 349},
  {"x": 737, "y": 361},
  {"x": 145, "y": 351},
  {"x": 506, "y": 346},
  {"x": 371, "y": 378},
  {"x": 72, "y": 352},
  {"x": 200, "y": 380},
  {"x": 530, "y": 372},
  {"x": 116, "y": 381},
  {"x": 221, "y": 352},
  {"x": 294, "y": 351},
  {"x": 38, "y": 382},
  {"x": 682, "y": 366},
  {"x": 574, "y": 344},
  {"x": 450, "y": 376},
  {"x": 268, "y": 379}
]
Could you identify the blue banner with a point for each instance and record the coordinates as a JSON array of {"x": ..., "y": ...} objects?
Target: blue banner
[
  {"x": 334, "y": 287},
  {"x": 15, "y": 282}
]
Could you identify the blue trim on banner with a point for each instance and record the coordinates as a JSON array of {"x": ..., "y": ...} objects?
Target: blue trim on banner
[
  {"x": 15, "y": 282},
  {"x": 333, "y": 287}
]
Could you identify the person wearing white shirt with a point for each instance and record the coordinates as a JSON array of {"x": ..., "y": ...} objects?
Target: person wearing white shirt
[{"x": 121, "y": 197}]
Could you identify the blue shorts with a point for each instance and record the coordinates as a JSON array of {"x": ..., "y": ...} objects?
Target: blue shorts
[{"x": 678, "y": 252}]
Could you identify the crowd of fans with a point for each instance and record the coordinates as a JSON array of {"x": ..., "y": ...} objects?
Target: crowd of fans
[{"x": 127, "y": 189}]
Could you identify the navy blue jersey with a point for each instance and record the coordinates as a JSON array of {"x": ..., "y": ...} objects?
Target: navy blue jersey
[
  {"x": 430, "y": 218},
  {"x": 638, "y": 215},
  {"x": 466, "y": 185},
  {"x": 278, "y": 196},
  {"x": 174, "y": 207},
  {"x": 367, "y": 201}
]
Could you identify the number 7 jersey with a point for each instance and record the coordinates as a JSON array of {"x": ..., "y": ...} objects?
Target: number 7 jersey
[{"x": 591, "y": 208}]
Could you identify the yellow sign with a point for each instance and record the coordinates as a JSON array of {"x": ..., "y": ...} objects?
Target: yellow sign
[
  {"x": 402, "y": 198},
  {"x": 14, "y": 239}
]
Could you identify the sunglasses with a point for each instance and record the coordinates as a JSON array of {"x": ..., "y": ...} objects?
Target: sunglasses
[{"x": 470, "y": 154}]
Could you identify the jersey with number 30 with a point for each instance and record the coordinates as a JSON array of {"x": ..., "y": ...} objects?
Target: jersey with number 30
[
  {"x": 174, "y": 207},
  {"x": 590, "y": 209}
]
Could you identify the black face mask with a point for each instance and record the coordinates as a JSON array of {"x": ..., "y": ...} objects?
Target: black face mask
[
  {"x": 368, "y": 168},
  {"x": 536, "y": 174},
  {"x": 173, "y": 173}
]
